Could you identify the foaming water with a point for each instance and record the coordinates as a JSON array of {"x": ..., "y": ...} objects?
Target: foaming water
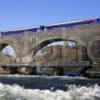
[{"x": 15, "y": 92}]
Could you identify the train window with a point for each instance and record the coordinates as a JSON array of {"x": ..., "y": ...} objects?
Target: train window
[{"x": 98, "y": 21}]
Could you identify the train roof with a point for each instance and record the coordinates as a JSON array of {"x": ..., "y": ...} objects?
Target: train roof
[{"x": 56, "y": 24}]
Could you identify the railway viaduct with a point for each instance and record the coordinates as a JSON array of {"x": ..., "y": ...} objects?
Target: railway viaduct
[{"x": 26, "y": 42}]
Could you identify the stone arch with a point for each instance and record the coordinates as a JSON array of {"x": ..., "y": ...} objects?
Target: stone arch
[
  {"x": 4, "y": 45},
  {"x": 47, "y": 42}
]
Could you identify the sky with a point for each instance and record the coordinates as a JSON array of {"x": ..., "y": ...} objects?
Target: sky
[{"x": 16, "y": 14}]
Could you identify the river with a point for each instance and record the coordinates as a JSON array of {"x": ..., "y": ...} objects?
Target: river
[{"x": 21, "y": 87}]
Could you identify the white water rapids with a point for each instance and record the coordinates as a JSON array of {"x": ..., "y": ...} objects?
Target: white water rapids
[{"x": 15, "y": 92}]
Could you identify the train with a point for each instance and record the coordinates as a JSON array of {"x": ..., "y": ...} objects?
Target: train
[{"x": 79, "y": 23}]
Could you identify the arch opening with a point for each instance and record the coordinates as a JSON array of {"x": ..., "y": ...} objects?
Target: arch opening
[
  {"x": 8, "y": 50},
  {"x": 69, "y": 49},
  {"x": 60, "y": 50},
  {"x": 70, "y": 44},
  {"x": 52, "y": 41},
  {"x": 7, "y": 53}
]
